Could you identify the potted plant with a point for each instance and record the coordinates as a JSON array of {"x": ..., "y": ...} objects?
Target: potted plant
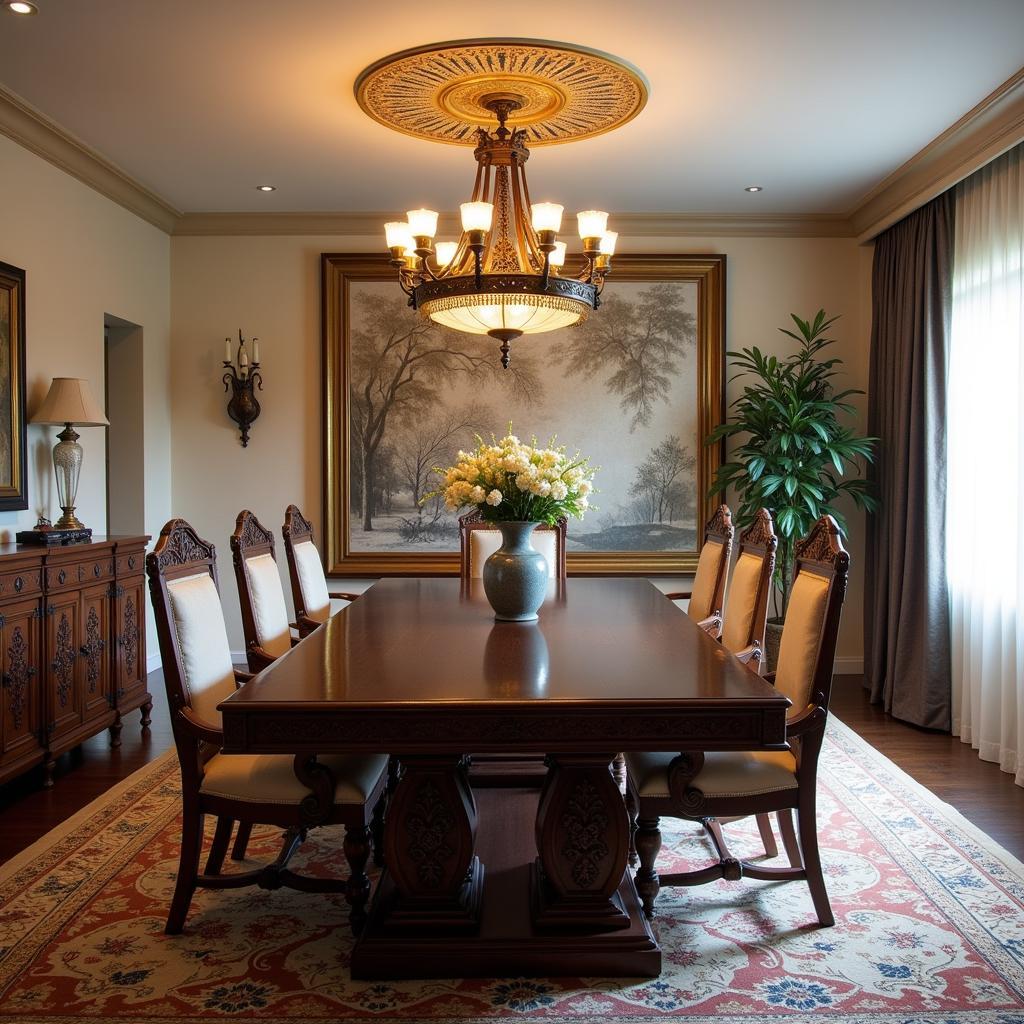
[
  {"x": 517, "y": 486},
  {"x": 796, "y": 451}
]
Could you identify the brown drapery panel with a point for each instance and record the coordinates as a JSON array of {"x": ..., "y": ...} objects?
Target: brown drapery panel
[{"x": 906, "y": 606}]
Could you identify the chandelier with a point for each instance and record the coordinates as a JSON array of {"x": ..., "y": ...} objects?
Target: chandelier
[{"x": 506, "y": 275}]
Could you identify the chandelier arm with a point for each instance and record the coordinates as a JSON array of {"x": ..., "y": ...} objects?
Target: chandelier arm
[
  {"x": 520, "y": 221},
  {"x": 534, "y": 242}
]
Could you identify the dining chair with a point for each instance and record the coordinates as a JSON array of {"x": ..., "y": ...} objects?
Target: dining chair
[
  {"x": 260, "y": 593},
  {"x": 708, "y": 591},
  {"x": 479, "y": 539},
  {"x": 250, "y": 789},
  {"x": 707, "y": 786},
  {"x": 314, "y": 603}
]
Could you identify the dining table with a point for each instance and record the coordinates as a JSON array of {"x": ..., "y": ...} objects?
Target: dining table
[{"x": 503, "y": 881}]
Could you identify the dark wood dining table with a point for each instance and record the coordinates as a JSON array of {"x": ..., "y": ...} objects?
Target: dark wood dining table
[{"x": 503, "y": 882}]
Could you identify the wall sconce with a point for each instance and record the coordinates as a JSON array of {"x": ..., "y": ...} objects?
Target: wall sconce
[{"x": 242, "y": 379}]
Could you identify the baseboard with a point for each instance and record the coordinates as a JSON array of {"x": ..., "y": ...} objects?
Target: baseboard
[{"x": 849, "y": 667}]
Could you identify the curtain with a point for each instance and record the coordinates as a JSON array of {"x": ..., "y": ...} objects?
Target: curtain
[
  {"x": 906, "y": 612},
  {"x": 986, "y": 463}
]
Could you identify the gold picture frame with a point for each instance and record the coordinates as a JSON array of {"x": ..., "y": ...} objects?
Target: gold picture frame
[
  {"x": 13, "y": 472},
  {"x": 345, "y": 277}
]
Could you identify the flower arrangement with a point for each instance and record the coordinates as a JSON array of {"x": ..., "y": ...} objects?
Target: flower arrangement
[{"x": 510, "y": 481}]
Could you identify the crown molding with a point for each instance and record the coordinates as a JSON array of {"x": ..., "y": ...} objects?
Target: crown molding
[
  {"x": 20, "y": 121},
  {"x": 629, "y": 225},
  {"x": 995, "y": 125}
]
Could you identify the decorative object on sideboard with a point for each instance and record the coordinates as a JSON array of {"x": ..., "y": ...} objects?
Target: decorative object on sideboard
[
  {"x": 69, "y": 401},
  {"x": 13, "y": 472},
  {"x": 505, "y": 276},
  {"x": 45, "y": 534},
  {"x": 242, "y": 379}
]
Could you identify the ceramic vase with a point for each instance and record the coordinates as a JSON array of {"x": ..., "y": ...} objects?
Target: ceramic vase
[{"x": 515, "y": 577}]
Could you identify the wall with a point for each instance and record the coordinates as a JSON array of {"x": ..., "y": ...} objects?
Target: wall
[
  {"x": 269, "y": 286},
  {"x": 84, "y": 257}
]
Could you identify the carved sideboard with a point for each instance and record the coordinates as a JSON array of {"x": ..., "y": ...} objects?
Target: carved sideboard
[{"x": 72, "y": 647}]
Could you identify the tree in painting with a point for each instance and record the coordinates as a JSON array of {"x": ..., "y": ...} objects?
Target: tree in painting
[
  {"x": 401, "y": 368},
  {"x": 639, "y": 344},
  {"x": 663, "y": 490}
]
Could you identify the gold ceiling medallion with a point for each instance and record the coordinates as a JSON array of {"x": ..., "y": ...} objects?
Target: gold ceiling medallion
[{"x": 566, "y": 92}]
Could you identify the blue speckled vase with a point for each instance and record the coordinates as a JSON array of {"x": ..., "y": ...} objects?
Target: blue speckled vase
[{"x": 516, "y": 576}]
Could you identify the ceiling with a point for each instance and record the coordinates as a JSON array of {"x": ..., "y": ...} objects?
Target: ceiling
[{"x": 201, "y": 100}]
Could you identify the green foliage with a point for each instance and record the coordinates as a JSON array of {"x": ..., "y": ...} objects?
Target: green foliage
[{"x": 795, "y": 451}]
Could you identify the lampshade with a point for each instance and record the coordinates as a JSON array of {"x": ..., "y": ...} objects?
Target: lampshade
[{"x": 69, "y": 400}]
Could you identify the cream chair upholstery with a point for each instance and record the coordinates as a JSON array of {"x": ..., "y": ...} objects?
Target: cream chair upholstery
[
  {"x": 716, "y": 786},
  {"x": 247, "y": 789},
  {"x": 741, "y": 604},
  {"x": 483, "y": 544},
  {"x": 314, "y": 603},
  {"x": 265, "y": 623}
]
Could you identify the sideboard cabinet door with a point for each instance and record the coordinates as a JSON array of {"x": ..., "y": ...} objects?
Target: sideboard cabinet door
[
  {"x": 64, "y": 691},
  {"x": 94, "y": 628},
  {"x": 130, "y": 627},
  {"x": 21, "y": 711}
]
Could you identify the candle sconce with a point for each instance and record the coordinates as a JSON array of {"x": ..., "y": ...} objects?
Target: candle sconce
[{"x": 242, "y": 379}]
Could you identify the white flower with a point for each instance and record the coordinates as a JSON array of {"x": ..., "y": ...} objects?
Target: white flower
[
  {"x": 559, "y": 490},
  {"x": 494, "y": 498},
  {"x": 477, "y": 495},
  {"x": 585, "y": 488}
]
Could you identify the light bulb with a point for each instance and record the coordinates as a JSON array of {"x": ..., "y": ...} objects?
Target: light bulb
[
  {"x": 592, "y": 223},
  {"x": 547, "y": 216},
  {"x": 444, "y": 253},
  {"x": 557, "y": 258},
  {"x": 608, "y": 240},
  {"x": 477, "y": 216},
  {"x": 422, "y": 223},
  {"x": 398, "y": 235}
]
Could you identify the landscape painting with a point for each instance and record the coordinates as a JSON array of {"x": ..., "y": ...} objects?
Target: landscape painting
[
  {"x": 13, "y": 488},
  {"x": 636, "y": 388}
]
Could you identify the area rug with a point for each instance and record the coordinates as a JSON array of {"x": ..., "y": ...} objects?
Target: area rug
[{"x": 930, "y": 927}]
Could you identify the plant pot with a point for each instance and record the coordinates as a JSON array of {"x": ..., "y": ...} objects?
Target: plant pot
[
  {"x": 772, "y": 642},
  {"x": 515, "y": 577}
]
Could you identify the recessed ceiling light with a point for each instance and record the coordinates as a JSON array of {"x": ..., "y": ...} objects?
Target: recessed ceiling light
[
  {"x": 21, "y": 7},
  {"x": 266, "y": 188},
  {"x": 754, "y": 188}
]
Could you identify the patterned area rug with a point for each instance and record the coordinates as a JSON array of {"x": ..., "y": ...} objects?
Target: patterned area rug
[{"x": 930, "y": 927}]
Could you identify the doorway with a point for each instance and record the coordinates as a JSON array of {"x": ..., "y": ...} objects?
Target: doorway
[{"x": 125, "y": 396}]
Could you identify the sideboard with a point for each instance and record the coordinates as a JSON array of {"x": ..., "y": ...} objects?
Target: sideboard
[{"x": 72, "y": 647}]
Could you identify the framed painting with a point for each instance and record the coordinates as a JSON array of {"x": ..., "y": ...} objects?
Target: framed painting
[
  {"x": 13, "y": 473},
  {"x": 637, "y": 388}
]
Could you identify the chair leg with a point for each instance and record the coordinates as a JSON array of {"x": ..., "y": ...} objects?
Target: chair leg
[
  {"x": 764, "y": 826},
  {"x": 789, "y": 840},
  {"x": 632, "y": 809},
  {"x": 357, "y": 853},
  {"x": 219, "y": 847},
  {"x": 241, "y": 840},
  {"x": 648, "y": 845},
  {"x": 808, "y": 824},
  {"x": 188, "y": 870}
]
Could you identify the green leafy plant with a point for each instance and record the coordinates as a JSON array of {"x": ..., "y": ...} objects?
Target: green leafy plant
[{"x": 795, "y": 451}]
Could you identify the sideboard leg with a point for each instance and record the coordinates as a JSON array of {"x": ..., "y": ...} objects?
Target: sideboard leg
[
  {"x": 146, "y": 710},
  {"x": 115, "y": 731}
]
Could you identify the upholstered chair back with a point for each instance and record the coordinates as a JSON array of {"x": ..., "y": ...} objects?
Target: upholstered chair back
[
  {"x": 480, "y": 539},
  {"x": 260, "y": 593},
  {"x": 807, "y": 650},
  {"x": 708, "y": 592},
  {"x": 309, "y": 584},
  {"x": 746, "y": 608},
  {"x": 194, "y": 648}
]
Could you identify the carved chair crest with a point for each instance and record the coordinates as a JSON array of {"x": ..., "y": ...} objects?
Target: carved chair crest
[
  {"x": 179, "y": 544},
  {"x": 251, "y": 533},
  {"x": 761, "y": 532},
  {"x": 720, "y": 525},
  {"x": 296, "y": 525}
]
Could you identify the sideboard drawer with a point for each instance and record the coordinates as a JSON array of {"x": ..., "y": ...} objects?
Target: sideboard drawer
[
  {"x": 76, "y": 574},
  {"x": 25, "y": 583},
  {"x": 131, "y": 564}
]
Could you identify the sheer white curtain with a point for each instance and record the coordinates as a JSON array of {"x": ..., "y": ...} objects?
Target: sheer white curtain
[{"x": 985, "y": 496}]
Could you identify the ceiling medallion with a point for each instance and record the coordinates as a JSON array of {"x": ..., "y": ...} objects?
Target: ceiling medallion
[
  {"x": 506, "y": 276},
  {"x": 567, "y": 92}
]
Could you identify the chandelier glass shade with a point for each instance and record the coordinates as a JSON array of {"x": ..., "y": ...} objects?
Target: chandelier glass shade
[{"x": 505, "y": 276}]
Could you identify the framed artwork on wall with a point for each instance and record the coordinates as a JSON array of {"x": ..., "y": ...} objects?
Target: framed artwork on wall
[
  {"x": 637, "y": 388},
  {"x": 13, "y": 472}
]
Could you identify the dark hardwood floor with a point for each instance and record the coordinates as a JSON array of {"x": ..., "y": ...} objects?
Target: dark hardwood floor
[{"x": 951, "y": 769}]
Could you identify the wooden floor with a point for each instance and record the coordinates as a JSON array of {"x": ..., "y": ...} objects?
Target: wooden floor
[{"x": 943, "y": 764}]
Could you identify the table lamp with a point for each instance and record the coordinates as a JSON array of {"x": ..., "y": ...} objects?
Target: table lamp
[{"x": 69, "y": 401}]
